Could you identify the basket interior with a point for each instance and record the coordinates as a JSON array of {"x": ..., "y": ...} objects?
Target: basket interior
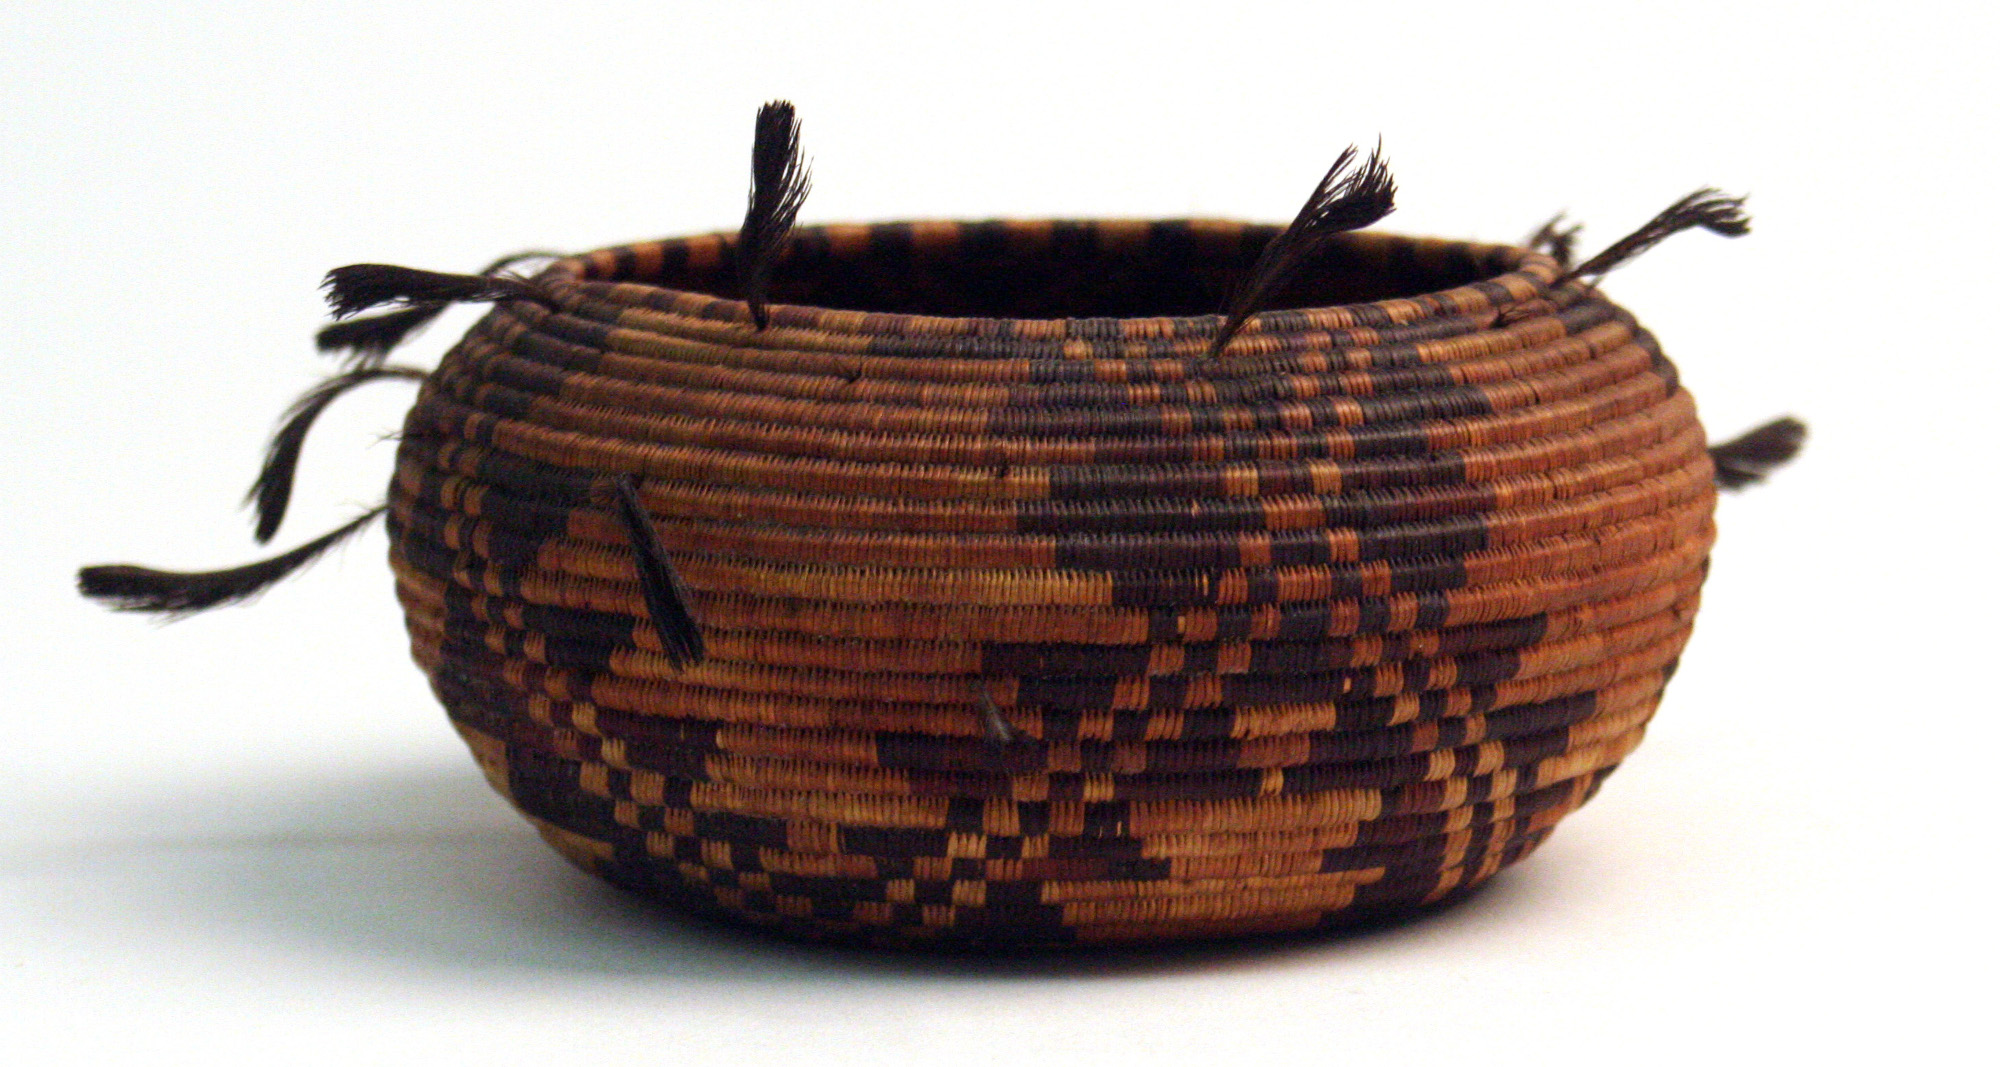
[{"x": 1070, "y": 269}]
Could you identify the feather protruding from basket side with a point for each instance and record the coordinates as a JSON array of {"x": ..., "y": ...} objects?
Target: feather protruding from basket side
[
  {"x": 357, "y": 287},
  {"x": 271, "y": 493},
  {"x": 666, "y": 598},
  {"x": 1347, "y": 198},
  {"x": 779, "y": 183},
  {"x": 1705, "y": 208},
  {"x": 1748, "y": 459},
  {"x": 126, "y": 587},
  {"x": 366, "y": 342}
]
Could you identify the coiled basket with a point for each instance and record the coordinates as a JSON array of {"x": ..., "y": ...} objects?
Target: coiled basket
[{"x": 1027, "y": 621}]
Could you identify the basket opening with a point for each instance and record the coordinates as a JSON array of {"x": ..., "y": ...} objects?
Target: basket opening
[{"x": 1066, "y": 269}]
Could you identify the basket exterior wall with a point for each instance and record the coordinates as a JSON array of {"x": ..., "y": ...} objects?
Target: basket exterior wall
[{"x": 1340, "y": 627}]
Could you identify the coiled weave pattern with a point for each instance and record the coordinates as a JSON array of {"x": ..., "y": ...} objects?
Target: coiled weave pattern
[{"x": 1339, "y": 622}]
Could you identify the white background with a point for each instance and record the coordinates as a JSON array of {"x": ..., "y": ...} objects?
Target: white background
[{"x": 253, "y": 832}]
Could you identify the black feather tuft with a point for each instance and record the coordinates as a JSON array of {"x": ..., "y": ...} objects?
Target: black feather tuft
[
  {"x": 174, "y": 594},
  {"x": 1749, "y": 458},
  {"x": 1348, "y": 198},
  {"x": 998, "y": 731},
  {"x": 1556, "y": 239},
  {"x": 779, "y": 182},
  {"x": 272, "y": 491},
  {"x": 666, "y": 598},
  {"x": 368, "y": 341},
  {"x": 357, "y": 287},
  {"x": 1708, "y": 209}
]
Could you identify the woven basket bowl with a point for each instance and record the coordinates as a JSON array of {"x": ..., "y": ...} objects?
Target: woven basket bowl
[{"x": 1336, "y": 624}]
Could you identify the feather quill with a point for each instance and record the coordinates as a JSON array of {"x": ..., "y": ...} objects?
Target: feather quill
[
  {"x": 1348, "y": 198},
  {"x": 358, "y": 287},
  {"x": 779, "y": 182},
  {"x": 1706, "y": 209},
  {"x": 666, "y": 598},
  {"x": 1748, "y": 459},
  {"x": 271, "y": 493},
  {"x": 174, "y": 594},
  {"x": 366, "y": 342}
]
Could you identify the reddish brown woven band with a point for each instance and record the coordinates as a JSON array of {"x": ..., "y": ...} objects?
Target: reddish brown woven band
[{"x": 1336, "y": 624}]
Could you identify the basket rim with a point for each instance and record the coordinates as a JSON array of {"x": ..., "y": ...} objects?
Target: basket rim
[{"x": 1525, "y": 274}]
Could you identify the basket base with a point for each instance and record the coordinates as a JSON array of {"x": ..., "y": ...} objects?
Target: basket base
[{"x": 986, "y": 934}]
